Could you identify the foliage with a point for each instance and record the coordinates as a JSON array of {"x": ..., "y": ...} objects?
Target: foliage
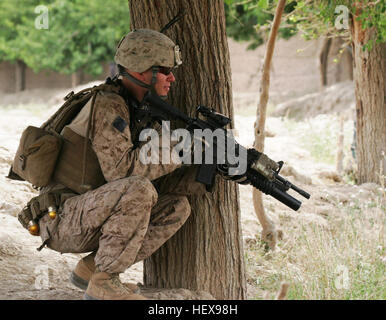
[
  {"x": 12, "y": 15},
  {"x": 84, "y": 33},
  {"x": 250, "y": 20},
  {"x": 339, "y": 259},
  {"x": 81, "y": 33},
  {"x": 318, "y": 17}
]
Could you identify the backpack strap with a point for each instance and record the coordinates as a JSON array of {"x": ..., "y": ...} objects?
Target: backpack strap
[
  {"x": 109, "y": 87},
  {"x": 86, "y": 142}
]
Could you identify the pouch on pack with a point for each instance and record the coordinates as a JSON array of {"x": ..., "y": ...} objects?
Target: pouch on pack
[
  {"x": 40, "y": 148},
  {"x": 36, "y": 156}
]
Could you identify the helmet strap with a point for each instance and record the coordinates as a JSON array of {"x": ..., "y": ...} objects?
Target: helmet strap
[
  {"x": 155, "y": 70},
  {"x": 138, "y": 82}
]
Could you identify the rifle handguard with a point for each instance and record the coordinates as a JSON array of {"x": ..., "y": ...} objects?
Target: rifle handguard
[{"x": 261, "y": 163}]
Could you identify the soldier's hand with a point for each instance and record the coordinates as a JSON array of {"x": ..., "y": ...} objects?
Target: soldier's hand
[{"x": 224, "y": 172}]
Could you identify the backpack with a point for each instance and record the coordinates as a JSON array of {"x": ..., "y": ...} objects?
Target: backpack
[{"x": 40, "y": 147}]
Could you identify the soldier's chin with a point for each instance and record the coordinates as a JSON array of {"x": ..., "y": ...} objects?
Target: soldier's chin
[{"x": 162, "y": 93}]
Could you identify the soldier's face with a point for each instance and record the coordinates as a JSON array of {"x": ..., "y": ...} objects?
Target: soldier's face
[{"x": 163, "y": 83}]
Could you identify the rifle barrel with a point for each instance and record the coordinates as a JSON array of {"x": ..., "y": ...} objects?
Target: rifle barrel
[{"x": 293, "y": 187}]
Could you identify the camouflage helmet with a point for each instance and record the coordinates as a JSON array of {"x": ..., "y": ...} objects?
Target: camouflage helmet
[{"x": 141, "y": 49}]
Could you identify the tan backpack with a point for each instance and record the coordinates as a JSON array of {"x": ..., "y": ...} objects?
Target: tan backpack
[{"x": 39, "y": 148}]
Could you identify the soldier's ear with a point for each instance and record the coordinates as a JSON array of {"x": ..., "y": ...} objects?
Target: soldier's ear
[
  {"x": 145, "y": 75},
  {"x": 139, "y": 75}
]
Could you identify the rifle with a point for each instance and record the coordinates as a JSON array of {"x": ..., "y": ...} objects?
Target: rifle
[{"x": 261, "y": 172}]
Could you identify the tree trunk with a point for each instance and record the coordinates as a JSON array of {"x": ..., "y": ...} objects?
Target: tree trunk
[
  {"x": 323, "y": 61},
  {"x": 344, "y": 66},
  {"x": 348, "y": 62},
  {"x": 20, "y": 76},
  {"x": 207, "y": 252},
  {"x": 340, "y": 153},
  {"x": 370, "y": 91},
  {"x": 269, "y": 233}
]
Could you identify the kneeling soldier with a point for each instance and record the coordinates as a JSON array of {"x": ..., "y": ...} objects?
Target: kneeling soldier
[{"x": 124, "y": 220}]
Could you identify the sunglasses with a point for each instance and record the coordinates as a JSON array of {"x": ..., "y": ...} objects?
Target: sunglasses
[{"x": 165, "y": 70}]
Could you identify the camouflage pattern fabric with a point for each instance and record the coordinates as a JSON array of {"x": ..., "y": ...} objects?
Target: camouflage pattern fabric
[
  {"x": 143, "y": 48},
  {"x": 112, "y": 140},
  {"x": 124, "y": 220}
]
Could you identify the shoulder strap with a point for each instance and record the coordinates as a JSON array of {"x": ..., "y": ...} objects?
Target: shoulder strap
[
  {"x": 86, "y": 142},
  {"x": 109, "y": 87},
  {"x": 74, "y": 102}
]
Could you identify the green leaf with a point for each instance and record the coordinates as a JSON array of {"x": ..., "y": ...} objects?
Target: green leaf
[
  {"x": 81, "y": 34},
  {"x": 263, "y": 4}
]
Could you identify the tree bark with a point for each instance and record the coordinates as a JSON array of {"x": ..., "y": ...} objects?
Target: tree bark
[
  {"x": 344, "y": 66},
  {"x": 340, "y": 153},
  {"x": 348, "y": 62},
  {"x": 269, "y": 233},
  {"x": 370, "y": 91},
  {"x": 323, "y": 61},
  {"x": 207, "y": 252},
  {"x": 20, "y": 76}
]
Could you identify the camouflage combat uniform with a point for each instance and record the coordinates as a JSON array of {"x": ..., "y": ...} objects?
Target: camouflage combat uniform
[{"x": 126, "y": 219}]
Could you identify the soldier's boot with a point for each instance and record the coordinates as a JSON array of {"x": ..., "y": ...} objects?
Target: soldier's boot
[
  {"x": 83, "y": 271},
  {"x": 108, "y": 286}
]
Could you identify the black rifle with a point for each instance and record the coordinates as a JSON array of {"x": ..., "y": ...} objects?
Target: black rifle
[{"x": 264, "y": 177}]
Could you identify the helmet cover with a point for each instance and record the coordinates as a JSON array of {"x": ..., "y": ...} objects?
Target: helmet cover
[{"x": 141, "y": 49}]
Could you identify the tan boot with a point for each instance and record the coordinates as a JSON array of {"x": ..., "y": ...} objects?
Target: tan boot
[
  {"x": 83, "y": 271},
  {"x": 106, "y": 286}
]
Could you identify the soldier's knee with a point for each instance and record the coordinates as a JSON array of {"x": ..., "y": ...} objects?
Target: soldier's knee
[{"x": 143, "y": 187}]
